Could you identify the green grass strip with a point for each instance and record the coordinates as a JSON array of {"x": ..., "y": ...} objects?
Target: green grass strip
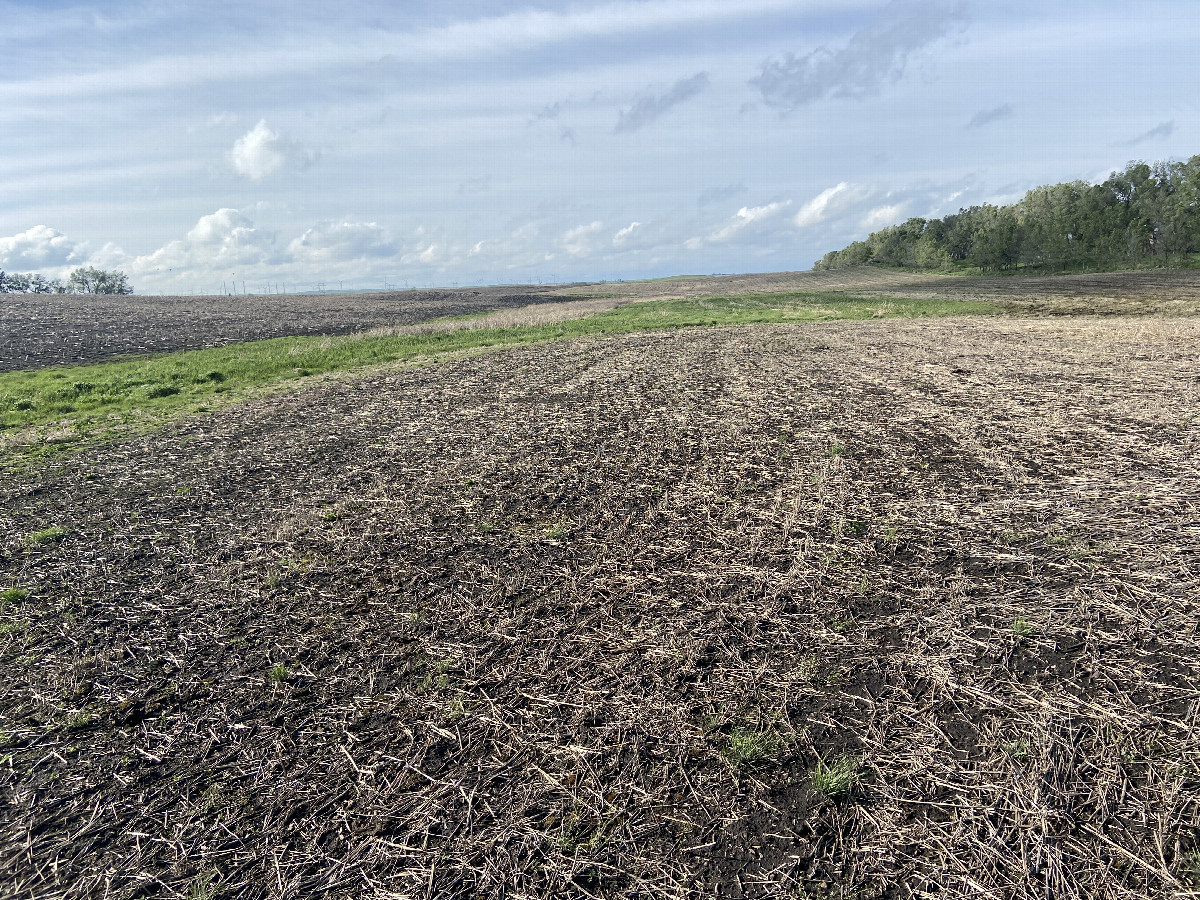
[{"x": 73, "y": 402}]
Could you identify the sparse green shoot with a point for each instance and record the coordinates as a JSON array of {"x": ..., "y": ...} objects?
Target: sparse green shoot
[
  {"x": 748, "y": 747},
  {"x": 50, "y": 535},
  {"x": 836, "y": 778}
]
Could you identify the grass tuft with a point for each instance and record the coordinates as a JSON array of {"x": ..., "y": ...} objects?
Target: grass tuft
[
  {"x": 13, "y": 595},
  {"x": 50, "y": 535},
  {"x": 836, "y": 778},
  {"x": 749, "y": 747}
]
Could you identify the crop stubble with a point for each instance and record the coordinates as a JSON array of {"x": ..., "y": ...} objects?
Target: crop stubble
[
  {"x": 39, "y": 330},
  {"x": 487, "y": 629}
]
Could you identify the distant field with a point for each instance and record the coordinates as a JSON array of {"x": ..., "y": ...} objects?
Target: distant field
[
  {"x": 50, "y": 329},
  {"x": 56, "y": 409},
  {"x": 43, "y": 330},
  {"x": 875, "y": 609}
]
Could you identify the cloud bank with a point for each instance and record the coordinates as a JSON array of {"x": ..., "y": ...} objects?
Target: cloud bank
[{"x": 40, "y": 247}]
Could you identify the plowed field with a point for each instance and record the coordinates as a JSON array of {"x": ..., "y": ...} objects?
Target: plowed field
[
  {"x": 45, "y": 329},
  {"x": 866, "y": 609},
  {"x": 49, "y": 329}
]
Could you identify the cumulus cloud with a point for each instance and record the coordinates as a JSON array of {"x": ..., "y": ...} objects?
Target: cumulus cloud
[
  {"x": 647, "y": 109},
  {"x": 820, "y": 206},
  {"x": 219, "y": 240},
  {"x": 580, "y": 241},
  {"x": 874, "y": 56},
  {"x": 341, "y": 241},
  {"x": 988, "y": 116},
  {"x": 261, "y": 152},
  {"x": 39, "y": 247}
]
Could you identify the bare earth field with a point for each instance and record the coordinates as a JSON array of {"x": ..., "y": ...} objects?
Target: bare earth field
[
  {"x": 40, "y": 330},
  {"x": 867, "y": 609},
  {"x": 50, "y": 329},
  {"x": 1149, "y": 291}
]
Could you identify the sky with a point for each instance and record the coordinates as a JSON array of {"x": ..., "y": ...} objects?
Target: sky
[{"x": 366, "y": 144}]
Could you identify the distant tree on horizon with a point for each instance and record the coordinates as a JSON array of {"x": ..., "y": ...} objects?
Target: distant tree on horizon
[
  {"x": 1144, "y": 216},
  {"x": 97, "y": 281},
  {"x": 81, "y": 281},
  {"x": 29, "y": 283}
]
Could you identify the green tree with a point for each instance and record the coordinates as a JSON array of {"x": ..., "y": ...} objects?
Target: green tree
[
  {"x": 30, "y": 283},
  {"x": 1143, "y": 215},
  {"x": 97, "y": 281}
]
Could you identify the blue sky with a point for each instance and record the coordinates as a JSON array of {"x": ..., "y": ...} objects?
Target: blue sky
[{"x": 421, "y": 143}]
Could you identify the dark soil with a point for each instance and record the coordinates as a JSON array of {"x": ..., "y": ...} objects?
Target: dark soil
[
  {"x": 46, "y": 329},
  {"x": 583, "y": 620},
  {"x": 1139, "y": 292},
  {"x": 49, "y": 329}
]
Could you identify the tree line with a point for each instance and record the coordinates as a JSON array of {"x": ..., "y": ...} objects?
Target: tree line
[
  {"x": 1147, "y": 215},
  {"x": 81, "y": 281}
]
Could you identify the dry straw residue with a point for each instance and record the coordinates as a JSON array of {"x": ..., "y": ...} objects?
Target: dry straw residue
[{"x": 881, "y": 609}]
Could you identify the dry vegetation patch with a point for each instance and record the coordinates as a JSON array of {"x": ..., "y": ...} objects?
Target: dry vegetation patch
[
  {"x": 880, "y": 609},
  {"x": 1140, "y": 292}
]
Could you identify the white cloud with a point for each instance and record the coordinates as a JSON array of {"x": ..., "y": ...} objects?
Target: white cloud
[
  {"x": 261, "y": 152},
  {"x": 519, "y": 249},
  {"x": 40, "y": 247},
  {"x": 623, "y": 236},
  {"x": 816, "y": 209},
  {"x": 256, "y": 153},
  {"x": 219, "y": 240},
  {"x": 579, "y": 241},
  {"x": 882, "y": 216},
  {"x": 426, "y": 252},
  {"x": 469, "y": 38},
  {"x": 339, "y": 241},
  {"x": 744, "y": 218}
]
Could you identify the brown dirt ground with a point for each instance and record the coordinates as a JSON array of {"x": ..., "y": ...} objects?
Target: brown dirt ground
[
  {"x": 41, "y": 330},
  {"x": 1174, "y": 291},
  {"x": 581, "y": 620},
  {"x": 49, "y": 329}
]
